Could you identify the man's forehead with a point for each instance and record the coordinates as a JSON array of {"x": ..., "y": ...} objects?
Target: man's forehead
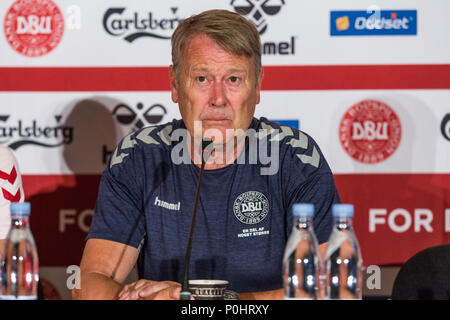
[
  {"x": 203, "y": 53},
  {"x": 203, "y": 45},
  {"x": 200, "y": 67},
  {"x": 200, "y": 39}
]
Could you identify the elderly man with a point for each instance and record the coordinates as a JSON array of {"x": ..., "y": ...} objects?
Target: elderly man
[{"x": 144, "y": 206}]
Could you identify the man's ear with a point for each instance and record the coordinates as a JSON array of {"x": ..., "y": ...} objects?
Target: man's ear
[
  {"x": 258, "y": 85},
  {"x": 173, "y": 84}
]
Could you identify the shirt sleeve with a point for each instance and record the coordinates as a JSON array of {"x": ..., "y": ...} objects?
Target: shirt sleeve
[
  {"x": 11, "y": 189},
  {"x": 118, "y": 213},
  {"x": 308, "y": 179}
]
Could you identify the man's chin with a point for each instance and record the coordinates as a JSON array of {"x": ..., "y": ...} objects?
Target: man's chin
[
  {"x": 216, "y": 139},
  {"x": 230, "y": 139},
  {"x": 216, "y": 134}
]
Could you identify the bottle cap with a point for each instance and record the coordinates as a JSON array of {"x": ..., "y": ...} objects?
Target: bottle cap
[
  {"x": 22, "y": 208},
  {"x": 303, "y": 210},
  {"x": 343, "y": 210}
]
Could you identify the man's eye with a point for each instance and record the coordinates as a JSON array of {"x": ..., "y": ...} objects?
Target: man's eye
[
  {"x": 201, "y": 79},
  {"x": 234, "y": 79}
]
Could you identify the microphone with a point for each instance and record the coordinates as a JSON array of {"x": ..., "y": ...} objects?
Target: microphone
[{"x": 207, "y": 148}]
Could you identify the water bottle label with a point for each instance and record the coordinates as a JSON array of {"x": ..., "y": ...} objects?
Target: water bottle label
[{"x": 11, "y": 297}]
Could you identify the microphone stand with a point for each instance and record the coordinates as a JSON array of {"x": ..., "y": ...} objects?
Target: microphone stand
[{"x": 185, "y": 292}]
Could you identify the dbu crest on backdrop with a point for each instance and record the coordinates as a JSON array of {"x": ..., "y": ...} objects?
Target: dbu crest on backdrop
[
  {"x": 33, "y": 28},
  {"x": 370, "y": 131}
]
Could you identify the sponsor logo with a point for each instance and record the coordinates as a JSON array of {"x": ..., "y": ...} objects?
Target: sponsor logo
[
  {"x": 373, "y": 22},
  {"x": 251, "y": 207},
  {"x": 259, "y": 12},
  {"x": 33, "y": 27},
  {"x": 293, "y": 123},
  {"x": 21, "y": 133},
  {"x": 136, "y": 117},
  {"x": 126, "y": 115},
  {"x": 167, "y": 205},
  {"x": 370, "y": 131},
  {"x": 10, "y": 189},
  {"x": 132, "y": 25},
  {"x": 445, "y": 126}
]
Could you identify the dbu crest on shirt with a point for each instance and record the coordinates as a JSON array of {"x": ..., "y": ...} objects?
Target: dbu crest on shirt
[{"x": 251, "y": 207}]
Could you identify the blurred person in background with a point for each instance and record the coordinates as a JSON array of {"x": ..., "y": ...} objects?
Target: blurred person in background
[{"x": 11, "y": 188}]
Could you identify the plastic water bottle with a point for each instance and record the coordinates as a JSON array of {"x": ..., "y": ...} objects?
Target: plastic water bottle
[
  {"x": 19, "y": 264},
  {"x": 343, "y": 259},
  {"x": 301, "y": 261}
]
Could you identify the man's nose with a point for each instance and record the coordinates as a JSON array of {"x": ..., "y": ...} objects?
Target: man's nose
[{"x": 218, "y": 96}]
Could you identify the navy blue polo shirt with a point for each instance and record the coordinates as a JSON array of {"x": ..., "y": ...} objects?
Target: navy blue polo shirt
[{"x": 244, "y": 216}]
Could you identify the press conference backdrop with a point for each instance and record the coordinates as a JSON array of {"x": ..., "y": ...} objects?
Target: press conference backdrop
[{"x": 369, "y": 80}]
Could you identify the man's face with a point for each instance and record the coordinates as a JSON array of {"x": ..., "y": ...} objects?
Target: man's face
[{"x": 215, "y": 87}]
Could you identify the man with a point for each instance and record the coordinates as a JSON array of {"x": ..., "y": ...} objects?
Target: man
[{"x": 144, "y": 207}]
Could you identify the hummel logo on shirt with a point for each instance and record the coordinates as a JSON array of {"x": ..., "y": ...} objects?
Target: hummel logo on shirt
[
  {"x": 167, "y": 205},
  {"x": 10, "y": 186}
]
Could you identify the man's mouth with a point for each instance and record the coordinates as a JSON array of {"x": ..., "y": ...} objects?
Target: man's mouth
[{"x": 215, "y": 120}]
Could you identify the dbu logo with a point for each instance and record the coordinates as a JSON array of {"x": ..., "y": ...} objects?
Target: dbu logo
[
  {"x": 251, "y": 206},
  {"x": 369, "y": 130}
]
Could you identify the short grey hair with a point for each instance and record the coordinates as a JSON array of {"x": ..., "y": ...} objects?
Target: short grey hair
[{"x": 228, "y": 29}]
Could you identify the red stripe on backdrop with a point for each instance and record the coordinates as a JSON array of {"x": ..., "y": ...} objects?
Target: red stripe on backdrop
[
  {"x": 333, "y": 77},
  {"x": 396, "y": 215}
]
